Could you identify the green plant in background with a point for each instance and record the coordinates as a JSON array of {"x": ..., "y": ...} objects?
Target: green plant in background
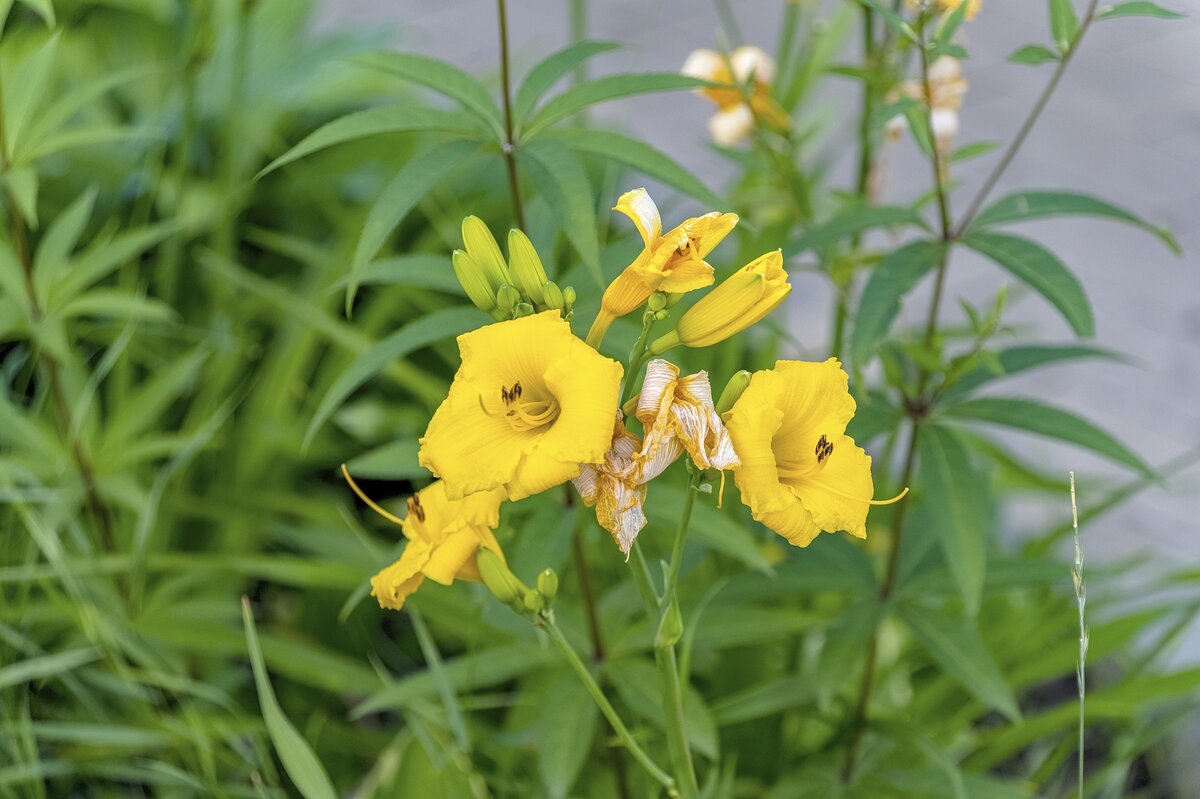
[{"x": 197, "y": 330}]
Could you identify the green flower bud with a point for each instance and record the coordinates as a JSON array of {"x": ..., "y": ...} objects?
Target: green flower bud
[
  {"x": 524, "y": 309},
  {"x": 553, "y": 296},
  {"x": 547, "y": 584},
  {"x": 733, "y": 389},
  {"x": 525, "y": 266},
  {"x": 484, "y": 251},
  {"x": 657, "y": 301},
  {"x": 496, "y": 576},
  {"x": 661, "y": 314},
  {"x": 471, "y": 278},
  {"x": 670, "y": 629},
  {"x": 568, "y": 298},
  {"x": 534, "y": 602},
  {"x": 673, "y": 299},
  {"x": 507, "y": 298}
]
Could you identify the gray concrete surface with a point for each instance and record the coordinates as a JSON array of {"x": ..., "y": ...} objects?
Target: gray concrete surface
[{"x": 1125, "y": 125}]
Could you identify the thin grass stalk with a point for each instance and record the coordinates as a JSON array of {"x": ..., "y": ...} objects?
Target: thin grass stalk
[
  {"x": 509, "y": 145},
  {"x": 1080, "y": 602}
]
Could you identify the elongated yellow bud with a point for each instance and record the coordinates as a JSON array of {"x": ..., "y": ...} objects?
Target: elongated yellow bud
[
  {"x": 740, "y": 301},
  {"x": 733, "y": 390},
  {"x": 473, "y": 281},
  {"x": 496, "y": 576},
  {"x": 526, "y": 267},
  {"x": 484, "y": 251},
  {"x": 547, "y": 584}
]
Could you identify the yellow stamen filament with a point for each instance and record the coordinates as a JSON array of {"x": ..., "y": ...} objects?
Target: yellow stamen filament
[
  {"x": 525, "y": 415},
  {"x": 721, "y": 490},
  {"x": 370, "y": 502}
]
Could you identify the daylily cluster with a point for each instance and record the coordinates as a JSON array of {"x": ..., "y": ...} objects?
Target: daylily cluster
[
  {"x": 744, "y": 100},
  {"x": 532, "y": 406}
]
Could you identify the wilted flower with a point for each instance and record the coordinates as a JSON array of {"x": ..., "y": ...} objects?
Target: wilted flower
[
  {"x": 800, "y": 473},
  {"x": 616, "y": 487},
  {"x": 528, "y": 406},
  {"x": 677, "y": 414},
  {"x": 741, "y": 300},
  {"x": 672, "y": 263},
  {"x": 736, "y": 117},
  {"x": 443, "y": 535}
]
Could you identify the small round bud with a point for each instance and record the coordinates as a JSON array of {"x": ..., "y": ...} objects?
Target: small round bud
[
  {"x": 534, "y": 602},
  {"x": 568, "y": 298},
  {"x": 547, "y": 584},
  {"x": 661, "y": 314},
  {"x": 524, "y": 309},
  {"x": 657, "y": 301},
  {"x": 670, "y": 629},
  {"x": 507, "y": 298}
]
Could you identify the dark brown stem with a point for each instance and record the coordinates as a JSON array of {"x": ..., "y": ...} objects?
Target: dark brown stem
[{"x": 509, "y": 145}]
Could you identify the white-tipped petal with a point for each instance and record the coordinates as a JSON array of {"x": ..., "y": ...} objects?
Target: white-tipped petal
[
  {"x": 749, "y": 61},
  {"x": 703, "y": 64},
  {"x": 732, "y": 125}
]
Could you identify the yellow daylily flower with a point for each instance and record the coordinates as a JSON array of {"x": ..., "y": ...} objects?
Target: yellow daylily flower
[
  {"x": 800, "y": 473},
  {"x": 736, "y": 117},
  {"x": 973, "y": 6},
  {"x": 443, "y": 535},
  {"x": 677, "y": 414},
  {"x": 672, "y": 263},
  {"x": 528, "y": 406},
  {"x": 617, "y": 488},
  {"x": 742, "y": 300}
]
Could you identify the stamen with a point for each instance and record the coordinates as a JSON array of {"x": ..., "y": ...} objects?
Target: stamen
[
  {"x": 843, "y": 495},
  {"x": 370, "y": 502},
  {"x": 721, "y": 490}
]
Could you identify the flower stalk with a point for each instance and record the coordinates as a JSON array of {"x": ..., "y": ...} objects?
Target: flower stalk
[{"x": 509, "y": 145}]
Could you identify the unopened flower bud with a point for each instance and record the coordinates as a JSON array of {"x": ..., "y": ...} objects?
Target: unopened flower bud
[
  {"x": 657, "y": 301},
  {"x": 473, "y": 281},
  {"x": 526, "y": 267},
  {"x": 507, "y": 298},
  {"x": 547, "y": 584},
  {"x": 534, "y": 602},
  {"x": 568, "y": 298},
  {"x": 484, "y": 251},
  {"x": 496, "y": 576},
  {"x": 524, "y": 309},
  {"x": 661, "y": 314},
  {"x": 553, "y": 296},
  {"x": 733, "y": 390}
]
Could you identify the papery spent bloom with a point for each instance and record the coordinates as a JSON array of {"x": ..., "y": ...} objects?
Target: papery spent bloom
[
  {"x": 947, "y": 88},
  {"x": 742, "y": 300},
  {"x": 800, "y": 473},
  {"x": 443, "y": 535},
  {"x": 736, "y": 117},
  {"x": 528, "y": 406},
  {"x": 677, "y": 415},
  {"x": 617, "y": 487},
  {"x": 672, "y": 262}
]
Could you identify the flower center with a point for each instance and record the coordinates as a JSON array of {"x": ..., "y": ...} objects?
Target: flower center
[
  {"x": 524, "y": 414},
  {"x": 790, "y": 471}
]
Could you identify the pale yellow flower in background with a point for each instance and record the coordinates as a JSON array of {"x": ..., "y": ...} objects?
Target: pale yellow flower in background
[
  {"x": 443, "y": 535},
  {"x": 947, "y": 88},
  {"x": 677, "y": 415},
  {"x": 799, "y": 472},
  {"x": 973, "y": 6},
  {"x": 672, "y": 262},
  {"x": 741, "y": 300},
  {"x": 736, "y": 118},
  {"x": 528, "y": 406}
]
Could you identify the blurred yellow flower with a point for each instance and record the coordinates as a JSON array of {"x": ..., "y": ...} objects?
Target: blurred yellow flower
[
  {"x": 973, "y": 6},
  {"x": 800, "y": 473},
  {"x": 443, "y": 537},
  {"x": 530, "y": 403},
  {"x": 672, "y": 263},
  {"x": 736, "y": 117},
  {"x": 742, "y": 300}
]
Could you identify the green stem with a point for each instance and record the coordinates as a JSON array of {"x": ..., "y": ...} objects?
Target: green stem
[
  {"x": 677, "y": 745},
  {"x": 637, "y": 357},
  {"x": 610, "y": 713},
  {"x": 509, "y": 145},
  {"x": 681, "y": 532}
]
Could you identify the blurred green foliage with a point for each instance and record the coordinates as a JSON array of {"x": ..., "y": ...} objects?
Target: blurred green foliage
[{"x": 225, "y": 270}]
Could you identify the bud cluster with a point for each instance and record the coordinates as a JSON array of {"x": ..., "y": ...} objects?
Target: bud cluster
[
  {"x": 506, "y": 289},
  {"x": 509, "y": 589}
]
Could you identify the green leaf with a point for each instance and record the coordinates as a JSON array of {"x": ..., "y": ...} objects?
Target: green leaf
[
  {"x": 1041, "y": 270},
  {"x": 298, "y": 758},
  {"x": 566, "y": 726},
  {"x": 853, "y": 222},
  {"x": 562, "y": 178},
  {"x": 716, "y": 529},
  {"x": 23, "y": 184},
  {"x": 1138, "y": 8},
  {"x": 895, "y": 276},
  {"x": 414, "y": 335},
  {"x": 420, "y": 270},
  {"x": 1023, "y": 358},
  {"x": 846, "y": 639},
  {"x": 1024, "y": 205},
  {"x": 43, "y": 667},
  {"x": 892, "y": 19},
  {"x": 639, "y": 156},
  {"x": 973, "y": 150},
  {"x": 373, "y": 122},
  {"x": 25, "y": 88},
  {"x": 444, "y": 78},
  {"x": 1033, "y": 54},
  {"x": 956, "y": 647},
  {"x": 610, "y": 87},
  {"x": 43, "y": 8},
  {"x": 1064, "y": 25},
  {"x": 637, "y": 682},
  {"x": 107, "y": 303},
  {"x": 402, "y": 193},
  {"x": 396, "y": 460},
  {"x": 103, "y": 256},
  {"x": 1050, "y": 422},
  {"x": 60, "y": 241},
  {"x": 550, "y": 70},
  {"x": 953, "y": 489}
]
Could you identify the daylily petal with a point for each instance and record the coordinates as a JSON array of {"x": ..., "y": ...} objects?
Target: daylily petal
[
  {"x": 794, "y": 523},
  {"x": 640, "y": 208},
  {"x": 448, "y": 558},
  {"x": 837, "y": 495},
  {"x": 587, "y": 398},
  {"x": 394, "y": 584},
  {"x": 731, "y": 125}
]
